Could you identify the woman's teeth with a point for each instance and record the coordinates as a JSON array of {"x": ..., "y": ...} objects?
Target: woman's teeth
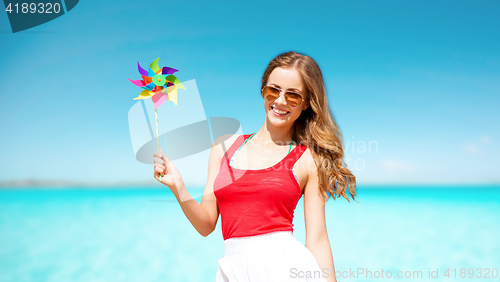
[{"x": 279, "y": 111}]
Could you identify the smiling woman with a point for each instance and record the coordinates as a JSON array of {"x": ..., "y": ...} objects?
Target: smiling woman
[{"x": 256, "y": 184}]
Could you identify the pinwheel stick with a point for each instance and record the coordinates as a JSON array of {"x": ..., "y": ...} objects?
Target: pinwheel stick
[{"x": 157, "y": 136}]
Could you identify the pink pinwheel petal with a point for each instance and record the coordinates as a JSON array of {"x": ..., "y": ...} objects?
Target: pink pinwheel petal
[
  {"x": 139, "y": 82},
  {"x": 158, "y": 98}
]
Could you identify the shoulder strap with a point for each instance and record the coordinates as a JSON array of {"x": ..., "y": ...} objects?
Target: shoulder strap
[
  {"x": 236, "y": 144},
  {"x": 294, "y": 155}
]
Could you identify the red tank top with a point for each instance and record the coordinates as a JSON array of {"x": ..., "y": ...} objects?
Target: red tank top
[{"x": 254, "y": 202}]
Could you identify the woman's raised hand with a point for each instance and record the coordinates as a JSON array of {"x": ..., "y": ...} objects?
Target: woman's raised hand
[{"x": 170, "y": 175}]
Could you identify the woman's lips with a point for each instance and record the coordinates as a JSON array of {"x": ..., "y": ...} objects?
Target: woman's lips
[{"x": 281, "y": 111}]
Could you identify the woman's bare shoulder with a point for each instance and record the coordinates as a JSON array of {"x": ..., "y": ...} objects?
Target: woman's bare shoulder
[
  {"x": 227, "y": 140},
  {"x": 222, "y": 143},
  {"x": 220, "y": 146}
]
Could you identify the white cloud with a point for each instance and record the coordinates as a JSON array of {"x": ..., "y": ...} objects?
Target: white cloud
[
  {"x": 477, "y": 148},
  {"x": 485, "y": 139},
  {"x": 472, "y": 149}
]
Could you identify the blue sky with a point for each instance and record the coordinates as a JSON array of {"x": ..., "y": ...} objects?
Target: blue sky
[{"x": 420, "y": 79}]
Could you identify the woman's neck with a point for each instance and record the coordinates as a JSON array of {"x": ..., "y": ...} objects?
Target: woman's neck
[{"x": 276, "y": 135}]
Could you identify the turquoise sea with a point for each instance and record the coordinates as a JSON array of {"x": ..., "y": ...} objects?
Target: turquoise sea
[{"x": 141, "y": 234}]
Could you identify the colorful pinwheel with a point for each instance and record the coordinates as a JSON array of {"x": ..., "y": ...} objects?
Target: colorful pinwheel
[{"x": 160, "y": 84}]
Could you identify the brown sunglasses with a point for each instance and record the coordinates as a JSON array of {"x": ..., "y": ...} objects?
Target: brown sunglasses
[{"x": 270, "y": 93}]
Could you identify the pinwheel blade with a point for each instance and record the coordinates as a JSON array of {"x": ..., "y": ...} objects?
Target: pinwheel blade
[
  {"x": 175, "y": 81},
  {"x": 147, "y": 79},
  {"x": 144, "y": 95},
  {"x": 158, "y": 98},
  {"x": 169, "y": 83},
  {"x": 150, "y": 86},
  {"x": 139, "y": 82},
  {"x": 172, "y": 94},
  {"x": 141, "y": 70},
  {"x": 166, "y": 70},
  {"x": 154, "y": 65},
  {"x": 151, "y": 73}
]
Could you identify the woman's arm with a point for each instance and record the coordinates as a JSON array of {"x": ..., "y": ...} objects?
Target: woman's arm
[
  {"x": 314, "y": 214},
  {"x": 202, "y": 216}
]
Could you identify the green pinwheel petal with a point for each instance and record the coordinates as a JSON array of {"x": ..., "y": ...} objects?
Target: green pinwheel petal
[
  {"x": 154, "y": 65},
  {"x": 175, "y": 81}
]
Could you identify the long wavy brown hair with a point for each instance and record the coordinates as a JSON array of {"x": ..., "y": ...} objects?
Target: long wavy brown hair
[{"x": 316, "y": 128}]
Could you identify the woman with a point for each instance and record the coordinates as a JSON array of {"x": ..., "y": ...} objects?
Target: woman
[{"x": 256, "y": 184}]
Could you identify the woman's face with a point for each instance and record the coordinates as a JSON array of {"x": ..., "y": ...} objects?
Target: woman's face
[{"x": 288, "y": 80}]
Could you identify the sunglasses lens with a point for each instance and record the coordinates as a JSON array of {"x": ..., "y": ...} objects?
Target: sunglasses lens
[
  {"x": 293, "y": 99},
  {"x": 270, "y": 93}
]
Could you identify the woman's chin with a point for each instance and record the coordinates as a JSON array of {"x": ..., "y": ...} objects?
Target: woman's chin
[{"x": 277, "y": 121}]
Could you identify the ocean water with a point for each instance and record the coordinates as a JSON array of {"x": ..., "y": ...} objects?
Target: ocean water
[{"x": 142, "y": 234}]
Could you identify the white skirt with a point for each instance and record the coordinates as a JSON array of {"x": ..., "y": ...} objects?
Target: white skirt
[{"x": 275, "y": 256}]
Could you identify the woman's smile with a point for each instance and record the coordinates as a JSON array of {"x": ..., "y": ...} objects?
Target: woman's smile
[{"x": 279, "y": 112}]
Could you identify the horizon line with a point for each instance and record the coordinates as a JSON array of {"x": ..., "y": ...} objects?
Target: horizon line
[{"x": 82, "y": 184}]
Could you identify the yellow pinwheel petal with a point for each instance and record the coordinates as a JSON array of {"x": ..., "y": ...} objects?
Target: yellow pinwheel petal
[
  {"x": 144, "y": 95},
  {"x": 154, "y": 65},
  {"x": 172, "y": 94},
  {"x": 179, "y": 85}
]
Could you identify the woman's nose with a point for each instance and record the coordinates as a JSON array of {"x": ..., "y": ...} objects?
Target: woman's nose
[{"x": 281, "y": 99}]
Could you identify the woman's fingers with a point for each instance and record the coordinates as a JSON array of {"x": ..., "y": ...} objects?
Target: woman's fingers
[
  {"x": 160, "y": 157},
  {"x": 158, "y": 160},
  {"x": 159, "y": 168},
  {"x": 156, "y": 176},
  {"x": 164, "y": 156},
  {"x": 157, "y": 154},
  {"x": 165, "y": 167}
]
